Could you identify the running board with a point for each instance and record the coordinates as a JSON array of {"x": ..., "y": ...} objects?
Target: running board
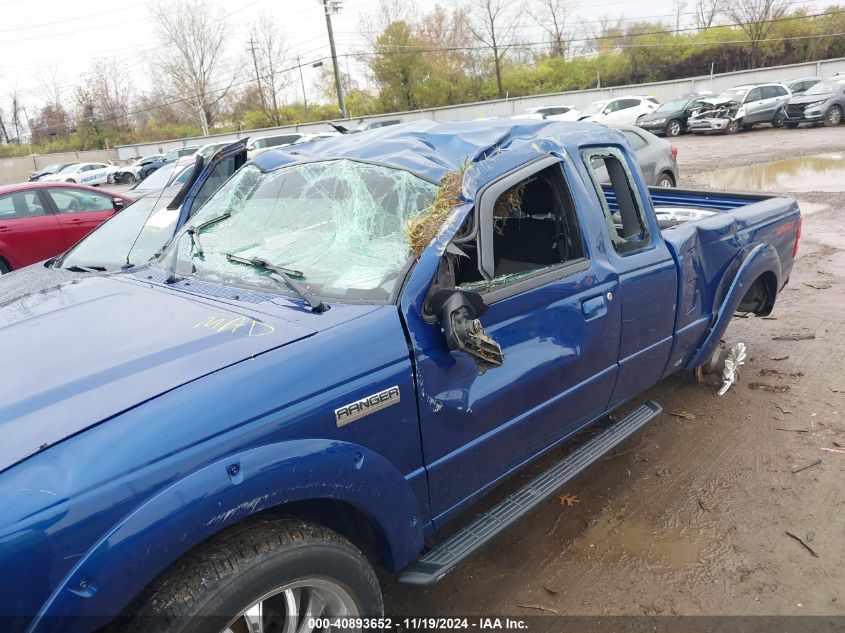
[{"x": 441, "y": 559}]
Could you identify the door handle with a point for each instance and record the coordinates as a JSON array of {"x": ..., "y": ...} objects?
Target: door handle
[
  {"x": 594, "y": 307},
  {"x": 76, "y": 221}
]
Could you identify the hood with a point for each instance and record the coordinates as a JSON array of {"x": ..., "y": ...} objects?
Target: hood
[
  {"x": 96, "y": 347},
  {"x": 718, "y": 101},
  {"x": 33, "y": 278},
  {"x": 804, "y": 99},
  {"x": 666, "y": 114}
]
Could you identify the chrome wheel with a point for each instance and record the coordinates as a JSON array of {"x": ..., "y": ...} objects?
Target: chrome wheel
[
  {"x": 834, "y": 116},
  {"x": 665, "y": 182},
  {"x": 673, "y": 129},
  {"x": 293, "y": 608}
]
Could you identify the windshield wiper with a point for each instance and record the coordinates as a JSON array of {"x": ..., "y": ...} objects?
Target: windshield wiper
[
  {"x": 287, "y": 275},
  {"x": 86, "y": 269},
  {"x": 194, "y": 231}
]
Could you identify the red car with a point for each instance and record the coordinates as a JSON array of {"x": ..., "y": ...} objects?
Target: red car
[{"x": 39, "y": 220}]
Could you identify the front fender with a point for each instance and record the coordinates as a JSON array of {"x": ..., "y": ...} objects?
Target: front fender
[
  {"x": 204, "y": 502},
  {"x": 761, "y": 259}
]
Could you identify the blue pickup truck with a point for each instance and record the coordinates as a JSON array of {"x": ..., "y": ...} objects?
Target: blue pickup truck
[{"x": 337, "y": 355}]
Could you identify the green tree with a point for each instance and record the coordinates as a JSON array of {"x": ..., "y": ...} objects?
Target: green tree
[{"x": 399, "y": 67}]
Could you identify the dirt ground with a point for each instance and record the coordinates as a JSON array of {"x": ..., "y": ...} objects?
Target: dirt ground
[{"x": 690, "y": 516}]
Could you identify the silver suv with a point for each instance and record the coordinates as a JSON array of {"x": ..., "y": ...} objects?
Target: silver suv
[{"x": 742, "y": 107}]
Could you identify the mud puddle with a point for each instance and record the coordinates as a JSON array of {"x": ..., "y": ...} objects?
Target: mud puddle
[
  {"x": 614, "y": 539},
  {"x": 823, "y": 172}
]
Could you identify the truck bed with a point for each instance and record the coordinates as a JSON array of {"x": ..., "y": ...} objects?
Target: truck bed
[{"x": 709, "y": 234}]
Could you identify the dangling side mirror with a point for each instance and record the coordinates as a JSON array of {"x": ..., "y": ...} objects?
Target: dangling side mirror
[{"x": 458, "y": 312}]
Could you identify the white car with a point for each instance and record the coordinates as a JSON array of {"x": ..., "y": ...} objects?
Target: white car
[
  {"x": 262, "y": 144},
  {"x": 206, "y": 151},
  {"x": 619, "y": 110},
  {"x": 83, "y": 174},
  {"x": 562, "y": 112}
]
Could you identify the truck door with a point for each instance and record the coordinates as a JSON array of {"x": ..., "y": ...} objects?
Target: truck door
[
  {"x": 648, "y": 280},
  {"x": 552, "y": 309}
]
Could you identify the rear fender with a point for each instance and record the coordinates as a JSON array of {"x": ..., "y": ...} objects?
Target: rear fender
[
  {"x": 760, "y": 260},
  {"x": 182, "y": 516}
]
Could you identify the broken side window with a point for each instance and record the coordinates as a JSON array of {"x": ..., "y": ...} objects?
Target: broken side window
[
  {"x": 535, "y": 230},
  {"x": 620, "y": 200}
]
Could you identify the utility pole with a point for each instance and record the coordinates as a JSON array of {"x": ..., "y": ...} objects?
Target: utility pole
[
  {"x": 332, "y": 7},
  {"x": 302, "y": 81},
  {"x": 257, "y": 74}
]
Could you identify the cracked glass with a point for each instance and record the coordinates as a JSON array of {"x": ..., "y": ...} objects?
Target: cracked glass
[{"x": 340, "y": 223}]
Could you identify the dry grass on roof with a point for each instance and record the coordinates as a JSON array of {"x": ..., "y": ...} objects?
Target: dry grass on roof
[{"x": 424, "y": 227}]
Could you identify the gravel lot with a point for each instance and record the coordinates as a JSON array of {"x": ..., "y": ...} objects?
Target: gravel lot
[{"x": 690, "y": 516}]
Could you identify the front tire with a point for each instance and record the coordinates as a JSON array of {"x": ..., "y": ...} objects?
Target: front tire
[
  {"x": 279, "y": 572},
  {"x": 833, "y": 116},
  {"x": 778, "y": 121},
  {"x": 71, "y": 181},
  {"x": 673, "y": 128},
  {"x": 733, "y": 126}
]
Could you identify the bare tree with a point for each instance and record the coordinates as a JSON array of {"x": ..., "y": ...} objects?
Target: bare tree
[
  {"x": 552, "y": 17},
  {"x": 495, "y": 27},
  {"x": 755, "y": 18},
  {"x": 679, "y": 6},
  {"x": 372, "y": 24},
  {"x": 189, "y": 28},
  {"x": 706, "y": 12},
  {"x": 111, "y": 92},
  {"x": 49, "y": 85},
  {"x": 268, "y": 51}
]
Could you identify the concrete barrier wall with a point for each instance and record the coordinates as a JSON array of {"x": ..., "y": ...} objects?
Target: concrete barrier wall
[{"x": 14, "y": 170}]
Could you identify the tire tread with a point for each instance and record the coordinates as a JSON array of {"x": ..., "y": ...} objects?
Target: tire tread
[{"x": 177, "y": 592}]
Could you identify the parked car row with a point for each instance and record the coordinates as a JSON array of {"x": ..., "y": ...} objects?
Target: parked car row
[
  {"x": 803, "y": 100},
  {"x": 618, "y": 110},
  {"x": 809, "y": 100}
]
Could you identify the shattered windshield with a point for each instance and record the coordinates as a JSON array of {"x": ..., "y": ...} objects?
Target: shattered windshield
[{"x": 339, "y": 223}]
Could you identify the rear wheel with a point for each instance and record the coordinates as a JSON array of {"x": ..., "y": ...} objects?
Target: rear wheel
[
  {"x": 833, "y": 116},
  {"x": 273, "y": 576},
  {"x": 673, "y": 128},
  {"x": 666, "y": 180}
]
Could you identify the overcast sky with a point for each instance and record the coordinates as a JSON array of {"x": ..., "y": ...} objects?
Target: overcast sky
[{"x": 36, "y": 34}]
